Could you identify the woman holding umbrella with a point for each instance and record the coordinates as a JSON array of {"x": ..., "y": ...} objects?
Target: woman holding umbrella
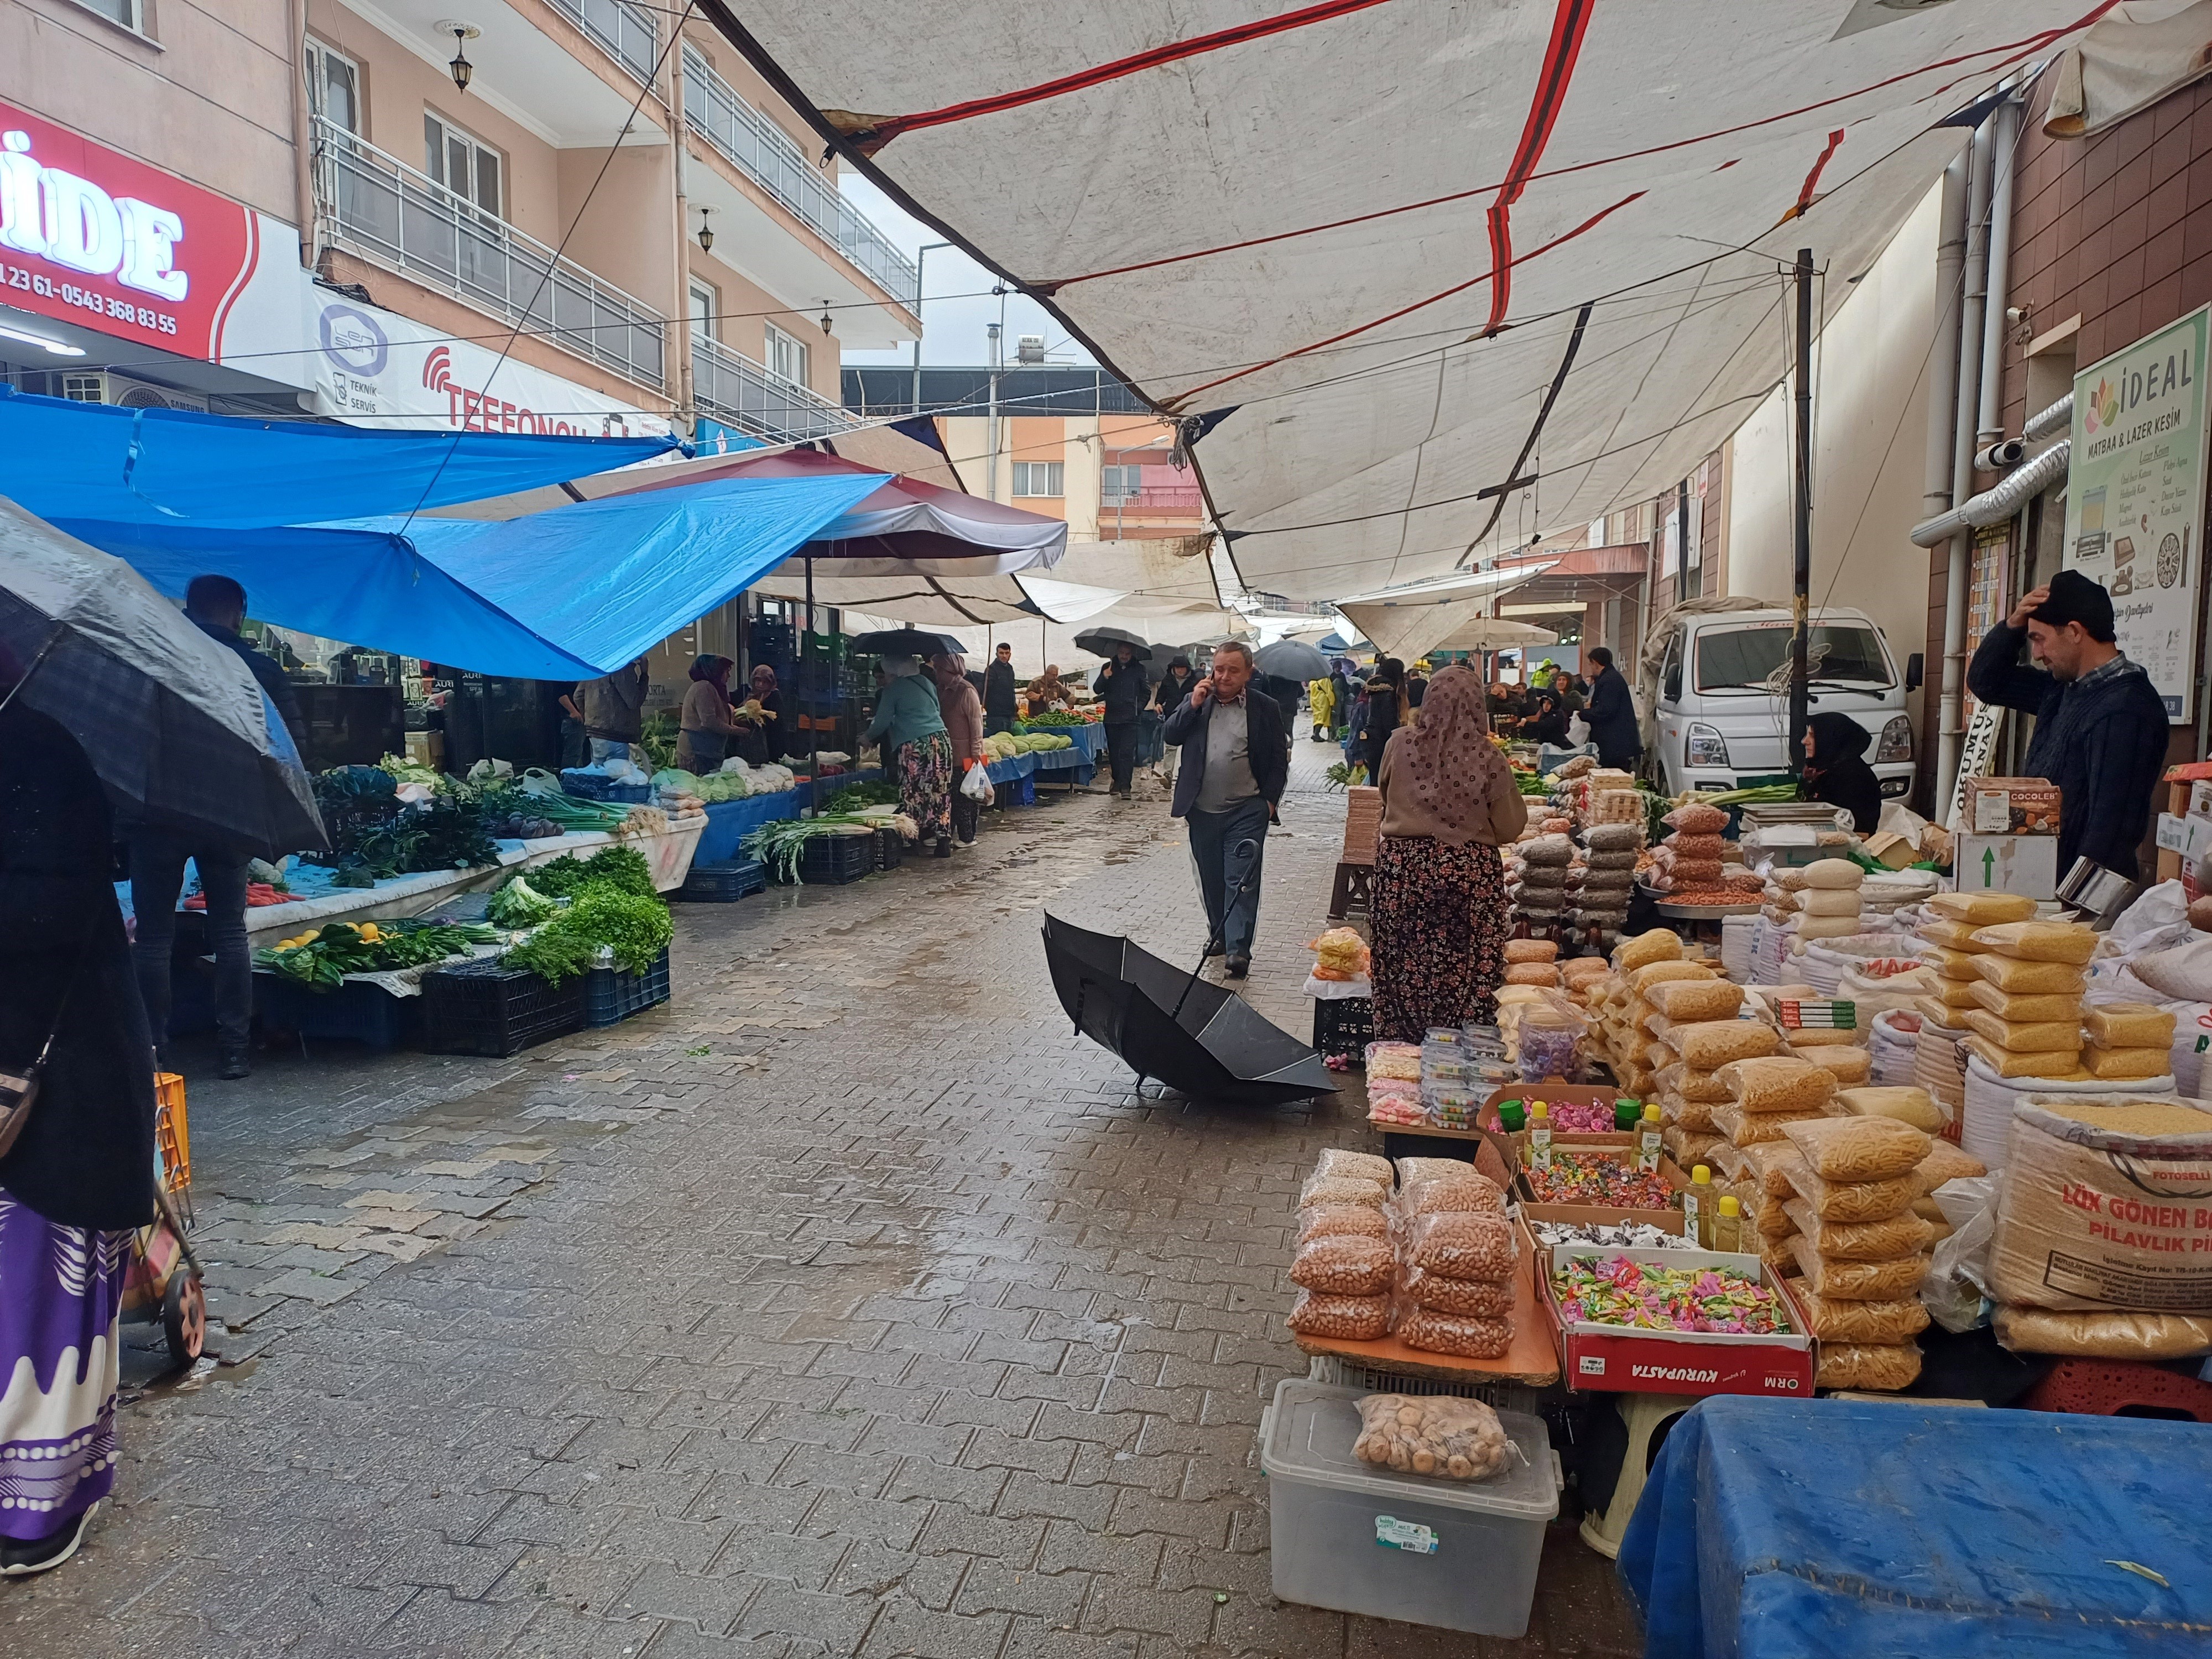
[{"x": 910, "y": 722}]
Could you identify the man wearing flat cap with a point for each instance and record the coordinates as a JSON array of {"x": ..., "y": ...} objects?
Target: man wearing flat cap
[{"x": 2101, "y": 727}]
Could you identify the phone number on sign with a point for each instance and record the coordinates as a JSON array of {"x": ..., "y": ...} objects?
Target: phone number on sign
[{"x": 123, "y": 311}]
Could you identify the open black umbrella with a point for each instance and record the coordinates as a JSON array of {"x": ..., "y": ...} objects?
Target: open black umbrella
[
  {"x": 1191, "y": 1035},
  {"x": 1104, "y": 641},
  {"x": 905, "y": 643},
  {"x": 178, "y": 729},
  {"x": 1292, "y": 660}
]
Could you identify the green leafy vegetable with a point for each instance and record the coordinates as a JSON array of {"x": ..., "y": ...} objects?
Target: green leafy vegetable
[
  {"x": 623, "y": 868},
  {"x": 519, "y": 904},
  {"x": 636, "y": 928}
]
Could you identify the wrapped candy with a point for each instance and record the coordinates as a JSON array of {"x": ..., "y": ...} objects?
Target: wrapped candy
[
  {"x": 1616, "y": 1290},
  {"x": 1588, "y": 1177}
]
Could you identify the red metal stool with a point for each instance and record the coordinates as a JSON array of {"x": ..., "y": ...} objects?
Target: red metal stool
[{"x": 2114, "y": 1388}]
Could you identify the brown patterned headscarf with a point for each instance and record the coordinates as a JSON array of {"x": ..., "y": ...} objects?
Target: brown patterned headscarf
[{"x": 1446, "y": 758}]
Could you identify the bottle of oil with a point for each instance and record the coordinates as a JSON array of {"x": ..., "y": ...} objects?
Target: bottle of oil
[
  {"x": 1696, "y": 1207},
  {"x": 1540, "y": 1135},
  {"x": 1647, "y": 1139},
  {"x": 1727, "y": 1226}
]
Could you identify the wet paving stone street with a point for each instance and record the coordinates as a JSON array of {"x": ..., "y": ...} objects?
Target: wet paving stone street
[{"x": 847, "y": 1304}]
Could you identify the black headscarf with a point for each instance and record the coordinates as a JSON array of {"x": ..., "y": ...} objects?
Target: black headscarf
[{"x": 1837, "y": 775}]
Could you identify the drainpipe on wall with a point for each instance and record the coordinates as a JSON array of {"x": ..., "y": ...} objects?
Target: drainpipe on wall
[
  {"x": 303, "y": 134},
  {"x": 1943, "y": 362},
  {"x": 1950, "y": 728},
  {"x": 2004, "y": 146},
  {"x": 683, "y": 342}
]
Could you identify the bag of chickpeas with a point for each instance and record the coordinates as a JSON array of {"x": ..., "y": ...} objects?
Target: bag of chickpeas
[{"x": 1439, "y": 1435}]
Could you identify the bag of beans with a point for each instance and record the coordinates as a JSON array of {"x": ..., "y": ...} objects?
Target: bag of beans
[
  {"x": 1342, "y": 1220},
  {"x": 1531, "y": 949},
  {"x": 1345, "y": 1264},
  {"x": 1468, "y": 1192},
  {"x": 1453, "y": 1333},
  {"x": 1470, "y": 1298},
  {"x": 1359, "y": 1166},
  {"x": 1700, "y": 847},
  {"x": 1345, "y": 1318},
  {"x": 1859, "y": 1148},
  {"x": 1697, "y": 819},
  {"x": 1342, "y": 1189},
  {"x": 1462, "y": 1245}
]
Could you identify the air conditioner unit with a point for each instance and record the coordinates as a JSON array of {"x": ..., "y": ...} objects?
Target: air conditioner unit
[{"x": 99, "y": 386}]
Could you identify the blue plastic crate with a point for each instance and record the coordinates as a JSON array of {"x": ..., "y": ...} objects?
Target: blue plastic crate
[
  {"x": 357, "y": 1012},
  {"x": 722, "y": 883},
  {"x": 1015, "y": 791},
  {"x": 611, "y": 996},
  {"x": 597, "y": 785}
]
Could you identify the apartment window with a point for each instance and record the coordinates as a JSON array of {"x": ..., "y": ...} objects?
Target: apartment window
[
  {"x": 334, "y": 87},
  {"x": 704, "y": 308},
  {"x": 1042, "y": 477},
  {"x": 465, "y": 164},
  {"x": 130, "y": 14},
  {"x": 787, "y": 356},
  {"x": 1117, "y": 484}
]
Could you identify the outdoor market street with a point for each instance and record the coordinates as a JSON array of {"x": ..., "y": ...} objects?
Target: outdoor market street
[{"x": 849, "y": 1304}]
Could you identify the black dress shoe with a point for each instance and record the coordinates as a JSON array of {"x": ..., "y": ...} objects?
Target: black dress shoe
[
  {"x": 234, "y": 1063},
  {"x": 1237, "y": 967},
  {"x": 1215, "y": 948}
]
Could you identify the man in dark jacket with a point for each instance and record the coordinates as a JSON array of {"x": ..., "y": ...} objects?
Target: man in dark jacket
[
  {"x": 1237, "y": 760},
  {"x": 2101, "y": 726},
  {"x": 1611, "y": 714},
  {"x": 1000, "y": 690},
  {"x": 614, "y": 712},
  {"x": 1123, "y": 687},
  {"x": 217, "y": 606}
]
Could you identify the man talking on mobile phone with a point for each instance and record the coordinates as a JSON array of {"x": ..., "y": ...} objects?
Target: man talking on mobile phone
[{"x": 1235, "y": 761}]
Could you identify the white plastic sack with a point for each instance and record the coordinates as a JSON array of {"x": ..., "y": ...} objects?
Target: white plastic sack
[
  {"x": 2180, "y": 972},
  {"x": 1954, "y": 1290},
  {"x": 974, "y": 784},
  {"x": 2160, "y": 907},
  {"x": 1578, "y": 732}
]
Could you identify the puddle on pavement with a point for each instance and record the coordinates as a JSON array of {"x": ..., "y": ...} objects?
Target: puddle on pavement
[{"x": 187, "y": 1379}]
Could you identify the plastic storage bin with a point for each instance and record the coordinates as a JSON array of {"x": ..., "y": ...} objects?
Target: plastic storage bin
[
  {"x": 1343, "y": 1025},
  {"x": 891, "y": 848},
  {"x": 610, "y": 995},
  {"x": 482, "y": 1008},
  {"x": 722, "y": 883},
  {"x": 357, "y": 1011},
  {"x": 1458, "y": 1555},
  {"x": 832, "y": 861},
  {"x": 598, "y": 785}
]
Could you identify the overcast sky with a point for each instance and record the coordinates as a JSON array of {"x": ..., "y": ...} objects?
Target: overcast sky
[{"x": 958, "y": 305}]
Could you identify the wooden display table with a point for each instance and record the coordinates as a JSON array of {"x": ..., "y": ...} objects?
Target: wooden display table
[{"x": 1532, "y": 1362}]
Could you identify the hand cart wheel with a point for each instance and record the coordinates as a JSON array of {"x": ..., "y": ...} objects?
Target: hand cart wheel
[{"x": 184, "y": 1315}]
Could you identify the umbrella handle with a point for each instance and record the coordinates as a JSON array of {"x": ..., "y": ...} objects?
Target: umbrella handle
[{"x": 52, "y": 640}]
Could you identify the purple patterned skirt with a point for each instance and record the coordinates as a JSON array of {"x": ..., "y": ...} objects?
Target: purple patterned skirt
[{"x": 60, "y": 1290}]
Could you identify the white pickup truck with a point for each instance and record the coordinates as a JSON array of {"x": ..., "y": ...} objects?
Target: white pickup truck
[{"x": 1722, "y": 708}]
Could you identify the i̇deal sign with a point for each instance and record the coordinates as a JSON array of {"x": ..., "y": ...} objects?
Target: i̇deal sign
[{"x": 91, "y": 236}]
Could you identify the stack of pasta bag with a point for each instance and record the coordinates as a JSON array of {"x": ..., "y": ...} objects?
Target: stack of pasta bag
[{"x": 2027, "y": 1020}]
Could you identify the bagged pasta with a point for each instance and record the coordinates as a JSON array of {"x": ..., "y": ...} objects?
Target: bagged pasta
[
  {"x": 1830, "y": 902},
  {"x": 2069, "y": 942},
  {"x": 1690, "y": 1001},
  {"x": 1531, "y": 973},
  {"x": 1345, "y": 1264},
  {"x": 1776, "y": 1254},
  {"x": 1768, "y": 1214},
  {"x": 2127, "y": 1065},
  {"x": 1937, "y": 1012},
  {"x": 1955, "y": 964},
  {"x": 2127, "y": 1026},
  {"x": 2057, "y": 1064},
  {"x": 2110, "y": 1334},
  {"x": 1905, "y": 1104},
  {"x": 1849, "y": 1065},
  {"x": 1470, "y": 1298},
  {"x": 1453, "y": 1333},
  {"x": 2040, "y": 1036},
  {"x": 1359, "y": 1166},
  {"x": 1952, "y": 936},
  {"x": 1697, "y": 819},
  {"x": 1462, "y": 1245},
  {"x": 1342, "y": 1220},
  {"x": 1769, "y": 1164},
  {"x": 1884, "y": 1324},
  {"x": 1711, "y": 1044},
  {"x": 2026, "y": 1006},
  {"x": 1856, "y": 1200},
  {"x": 1660, "y": 945},
  {"x": 1751, "y": 1128},
  {"x": 1704, "y": 1086},
  {"x": 1857, "y": 1281},
  {"x": 1979, "y": 909},
  {"x": 1342, "y": 1189},
  {"x": 1858, "y": 1148},
  {"x": 1878, "y": 1369},
  {"x": 2021, "y": 974},
  {"x": 1346, "y": 1318},
  {"x": 1778, "y": 1083},
  {"x": 1861, "y": 1241},
  {"x": 1695, "y": 1115},
  {"x": 1809, "y": 1037},
  {"x": 1437, "y": 1434},
  {"x": 1946, "y": 1162},
  {"x": 1689, "y": 1147},
  {"x": 1832, "y": 874}
]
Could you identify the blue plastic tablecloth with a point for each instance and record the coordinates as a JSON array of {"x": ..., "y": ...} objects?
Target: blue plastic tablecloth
[
  {"x": 1833, "y": 1529},
  {"x": 729, "y": 822},
  {"x": 1006, "y": 770}
]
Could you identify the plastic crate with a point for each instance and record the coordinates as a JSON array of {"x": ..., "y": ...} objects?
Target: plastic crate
[
  {"x": 1015, "y": 791},
  {"x": 597, "y": 785},
  {"x": 611, "y": 996},
  {"x": 891, "y": 848},
  {"x": 832, "y": 861},
  {"x": 482, "y": 1008},
  {"x": 1343, "y": 1025},
  {"x": 722, "y": 883},
  {"x": 172, "y": 1135},
  {"x": 357, "y": 1012}
]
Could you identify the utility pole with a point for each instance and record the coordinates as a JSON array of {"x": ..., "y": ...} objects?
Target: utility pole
[
  {"x": 921, "y": 259},
  {"x": 991, "y": 425},
  {"x": 1801, "y": 564}
]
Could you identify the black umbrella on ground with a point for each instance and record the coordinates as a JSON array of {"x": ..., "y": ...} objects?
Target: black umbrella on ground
[
  {"x": 1191, "y": 1035},
  {"x": 905, "y": 643},
  {"x": 1104, "y": 641},
  {"x": 177, "y": 727}
]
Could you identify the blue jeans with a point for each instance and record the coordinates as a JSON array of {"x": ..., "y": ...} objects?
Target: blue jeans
[
  {"x": 157, "y": 877},
  {"x": 1229, "y": 848}
]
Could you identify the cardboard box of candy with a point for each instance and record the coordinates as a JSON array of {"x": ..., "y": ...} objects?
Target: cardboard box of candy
[{"x": 1607, "y": 1355}]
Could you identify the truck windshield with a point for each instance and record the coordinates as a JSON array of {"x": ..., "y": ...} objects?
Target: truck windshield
[{"x": 1744, "y": 657}]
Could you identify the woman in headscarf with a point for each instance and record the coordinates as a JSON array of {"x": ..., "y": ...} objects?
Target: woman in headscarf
[
  {"x": 760, "y": 733},
  {"x": 963, "y": 712},
  {"x": 1438, "y": 892},
  {"x": 1548, "y": 722},
  {"x": 1167, "y": 697},
  {"x": 703, "y": 741},
  {"x": 79, "y": 1175},
  {"x": 910, "y": 723},
  {"x": 1394, "y": 670},
  {"x": 1048, "y": 689},
  {"x": 1378, "y": 719},
  {"x": 1836, "y": 775}
]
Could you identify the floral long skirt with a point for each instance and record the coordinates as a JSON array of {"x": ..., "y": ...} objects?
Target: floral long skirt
[
  {"x": 925, "y": 784},
  {"x": 60, "y": 1290},
  {"x": 1437, "y": 917}
]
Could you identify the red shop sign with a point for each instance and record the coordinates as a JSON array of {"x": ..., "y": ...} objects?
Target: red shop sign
[{"x": 90, "y": 236}]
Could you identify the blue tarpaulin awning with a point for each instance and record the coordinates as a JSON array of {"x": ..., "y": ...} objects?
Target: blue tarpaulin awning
[{"x": 65, "y": 461}]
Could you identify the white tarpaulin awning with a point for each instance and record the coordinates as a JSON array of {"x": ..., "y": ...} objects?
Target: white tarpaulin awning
[
  {"x": 1357, "y": 238},
  {"x": 1406, "y": 621}
]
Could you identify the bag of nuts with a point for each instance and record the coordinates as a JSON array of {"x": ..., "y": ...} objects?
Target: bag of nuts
[{"x": 1432, "y": 1434}]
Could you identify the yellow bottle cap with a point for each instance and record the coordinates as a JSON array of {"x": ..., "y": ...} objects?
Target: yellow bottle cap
[
  {"x": 1729, "y": 1207},
  {"x": 1537, "y": 1109},
  {"x": 1652, "y": 1113},
  {"x": 1701, "y": 1176}
]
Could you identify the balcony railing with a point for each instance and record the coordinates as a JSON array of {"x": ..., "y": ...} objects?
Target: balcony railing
[
  {"x": 761, "y": 150},
  {"x": 730, "y": 387},
  {"x": 384, "y": 211},
  {"x": 629, "y": 36}
]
